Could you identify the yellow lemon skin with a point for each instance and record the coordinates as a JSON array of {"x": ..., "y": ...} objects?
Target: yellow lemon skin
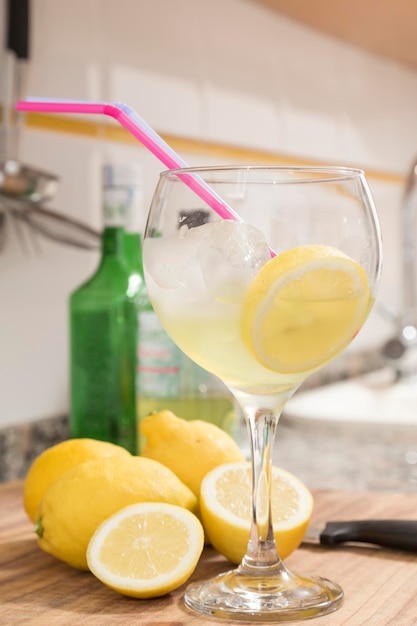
[
  {"x": 303, "y": 307},
  {"x": 58, "y": 459},
  {"x": 82, "y": 498},
  {"x": 227, "y": 526},
  {"x": 146, "y": 550},
  {"x": 189, "y": 448}
]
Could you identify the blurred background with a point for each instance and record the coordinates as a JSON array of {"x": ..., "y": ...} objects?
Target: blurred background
[{"x": 269, "y": 81}]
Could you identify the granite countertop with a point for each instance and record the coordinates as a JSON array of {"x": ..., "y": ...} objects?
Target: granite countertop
[
  {"x": 331, "y": 456},
  {"x": 345, "y": 457},
  {"x": 21, "y": 444}
]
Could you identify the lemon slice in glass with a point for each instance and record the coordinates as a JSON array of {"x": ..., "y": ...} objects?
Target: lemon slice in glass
[
  {"x": 225, "y": 504},
  {"x": 146, "y": 550},
  {"x": 303, "y": 307}
]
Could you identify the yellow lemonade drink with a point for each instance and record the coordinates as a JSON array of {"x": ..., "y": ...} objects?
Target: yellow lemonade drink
[{"x": 269, "y": 324}]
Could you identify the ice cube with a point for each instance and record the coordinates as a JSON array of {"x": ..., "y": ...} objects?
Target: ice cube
[
  {"x": 224, "y": 256},
  {"x": 167, "y": 258},
  {"x": 230, "y": 254}
]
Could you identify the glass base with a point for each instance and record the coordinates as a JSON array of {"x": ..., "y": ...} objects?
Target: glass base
[{"x": 256, "y": 597}]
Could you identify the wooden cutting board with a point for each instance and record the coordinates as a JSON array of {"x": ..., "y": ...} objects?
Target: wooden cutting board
[{"x": 380, "y": 585}]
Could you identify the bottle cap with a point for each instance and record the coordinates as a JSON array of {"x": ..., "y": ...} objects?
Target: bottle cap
[
  {"x": 122, "y": 175},
  {"x": 123, "y": 195}
]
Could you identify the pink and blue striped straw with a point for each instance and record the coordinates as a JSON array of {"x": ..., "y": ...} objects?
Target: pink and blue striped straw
[{"x": 137, "y": 127}]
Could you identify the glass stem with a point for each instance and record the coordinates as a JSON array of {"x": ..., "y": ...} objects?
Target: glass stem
[{"x": 262, "y": 550}]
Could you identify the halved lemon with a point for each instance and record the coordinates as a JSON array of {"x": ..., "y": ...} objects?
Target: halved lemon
[
  {"x": 303, "y": 307},
  {"x": 146, "y": 550},
  {"x": 225, "y": 504}
]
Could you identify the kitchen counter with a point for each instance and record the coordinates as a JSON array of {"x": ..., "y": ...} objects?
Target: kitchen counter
[
  {"x": 331, "y": 456},
  {"x": 380, "y": 585}
]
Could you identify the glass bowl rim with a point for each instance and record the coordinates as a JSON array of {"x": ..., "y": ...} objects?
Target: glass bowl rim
[{"x": 328, "y": 172}]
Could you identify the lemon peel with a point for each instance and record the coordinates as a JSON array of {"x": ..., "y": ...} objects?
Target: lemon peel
[
  {"x": 190, "y": 448},
  {"x": 303, "y": 307},
  {"x": 58, "y": 459}
]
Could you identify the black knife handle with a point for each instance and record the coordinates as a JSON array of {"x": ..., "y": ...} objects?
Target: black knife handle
[
  {"x": 18, "y": 19},
  {"x": 398, "y": 534}
]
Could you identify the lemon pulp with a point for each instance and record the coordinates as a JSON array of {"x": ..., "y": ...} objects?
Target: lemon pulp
[
  {"x": 226, "y": 503},
  {"x": 146, "y": 550},
  {"x": 303, "y": 307}
]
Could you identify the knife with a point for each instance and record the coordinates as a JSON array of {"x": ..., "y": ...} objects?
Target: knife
[{"x": 397, "y": 534}]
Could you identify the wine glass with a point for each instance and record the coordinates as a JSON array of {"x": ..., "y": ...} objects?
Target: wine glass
[{"x": 262, "y": 301}]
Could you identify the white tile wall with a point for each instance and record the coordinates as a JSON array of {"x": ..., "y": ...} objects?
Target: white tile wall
[
  {"x": 160, "y": 98},
  {"x": 226, "y": 71}
]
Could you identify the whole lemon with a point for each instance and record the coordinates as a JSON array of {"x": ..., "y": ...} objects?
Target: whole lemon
[
  {"x": 189, "y": 448},
  {"x": 81, "y": 499},
  {"x": 58, "y": 459}
]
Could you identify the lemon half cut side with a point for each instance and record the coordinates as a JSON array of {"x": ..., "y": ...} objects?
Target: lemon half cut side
[
  {"x": 303, "y": 307},
  {"x": 226, "y": 501},
  {"x": 146, "y": 550}
]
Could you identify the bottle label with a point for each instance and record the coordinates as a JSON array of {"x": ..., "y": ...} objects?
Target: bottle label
[{"x": 158, "y": 359}]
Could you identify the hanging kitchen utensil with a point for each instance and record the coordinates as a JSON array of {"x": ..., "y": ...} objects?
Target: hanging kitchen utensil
[
  {"x": 22, "y": 193},
  {"x": 19, "y": 181},
  {"x": 60, "y": 228},
  {"x": 23, "y": 188}
]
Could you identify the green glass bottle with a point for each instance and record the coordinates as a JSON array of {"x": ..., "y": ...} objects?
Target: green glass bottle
[
  {"x": 159, "y": 362},
  {"x": 166, "y": 378},
  {"x": 103, "y": 336}
]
